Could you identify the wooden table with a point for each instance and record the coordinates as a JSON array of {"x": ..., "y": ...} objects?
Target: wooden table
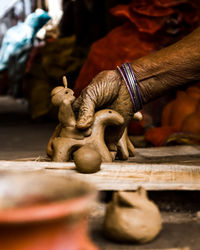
[{"x": 164, "y": 168}]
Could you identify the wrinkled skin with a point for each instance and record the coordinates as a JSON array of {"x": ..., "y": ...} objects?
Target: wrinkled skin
[
  {"x": 156, "y": 74},
  {"x": 107, "y": 90},
  {"x": 169, "y": 68}
]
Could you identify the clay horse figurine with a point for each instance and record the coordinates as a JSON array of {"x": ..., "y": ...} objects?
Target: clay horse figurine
[{"x": 67, "y": 138}]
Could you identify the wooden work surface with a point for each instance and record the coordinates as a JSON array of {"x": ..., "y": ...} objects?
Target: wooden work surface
[{"x": 166, "y": 168}]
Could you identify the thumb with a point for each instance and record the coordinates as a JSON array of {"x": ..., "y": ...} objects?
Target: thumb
[{"x": 86, "y": 113}]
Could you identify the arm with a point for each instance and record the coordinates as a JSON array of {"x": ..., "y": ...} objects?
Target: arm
[
  {"x": 169, "y": 68},
  {"x": 156, "y": 74}
]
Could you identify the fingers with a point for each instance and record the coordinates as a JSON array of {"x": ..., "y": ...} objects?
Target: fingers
[
  {"x": 96, "y": 95},
  {"x": 85, "y": 107},
  {"x": 86, "y": 112}
]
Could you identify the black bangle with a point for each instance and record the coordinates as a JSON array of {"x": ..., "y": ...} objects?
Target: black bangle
[{"x": 131, "y": 83}]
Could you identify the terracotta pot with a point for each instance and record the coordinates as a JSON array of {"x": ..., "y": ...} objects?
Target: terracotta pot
[{"x": 41, "y": 212}]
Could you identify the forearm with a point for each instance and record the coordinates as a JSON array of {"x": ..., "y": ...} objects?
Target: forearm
[{"x": 169, "y": 68}]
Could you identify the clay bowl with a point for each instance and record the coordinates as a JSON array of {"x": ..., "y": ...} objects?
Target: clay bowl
[{"x": 39, "y": 211}]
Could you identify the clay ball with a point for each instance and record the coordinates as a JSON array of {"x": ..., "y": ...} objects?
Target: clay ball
[{"x": 87, "y": 160}]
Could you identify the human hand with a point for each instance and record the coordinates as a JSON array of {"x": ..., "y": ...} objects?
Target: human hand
[{"x": 107, "y": 90}]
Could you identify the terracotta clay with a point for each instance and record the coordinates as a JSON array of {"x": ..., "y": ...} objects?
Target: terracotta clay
[
  {"x": 132, "y": 217},
  {"x": 87, "y": 160},
  {"x": 67, "y": 138}
]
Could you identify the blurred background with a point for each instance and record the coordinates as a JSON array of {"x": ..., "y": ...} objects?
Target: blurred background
[{"x": 42, "y": 40}]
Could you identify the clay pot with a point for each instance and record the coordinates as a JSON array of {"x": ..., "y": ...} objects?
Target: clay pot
[{"x": 44, "y": 212}]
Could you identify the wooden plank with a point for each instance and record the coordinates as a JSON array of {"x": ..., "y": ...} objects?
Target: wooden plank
[
  {"x": 172, "y": 154},
  {"x": 175, "y": 154},
  {"x": 169, "y": 151},
  {"x": 121, "y": 175}
]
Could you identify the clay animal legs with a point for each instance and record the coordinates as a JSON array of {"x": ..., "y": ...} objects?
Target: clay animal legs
[{"x": 63, "y": 147}]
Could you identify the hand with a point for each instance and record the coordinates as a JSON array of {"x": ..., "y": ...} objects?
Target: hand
[{"x": 107, "y": 90}]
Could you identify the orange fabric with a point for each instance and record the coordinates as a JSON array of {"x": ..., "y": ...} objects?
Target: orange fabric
[
  {"x": 111, "y": 51},
  {"x": 157, "y": 136},
  {"x": 180, "y": 115},
  {"x": 143, "y": 14}
]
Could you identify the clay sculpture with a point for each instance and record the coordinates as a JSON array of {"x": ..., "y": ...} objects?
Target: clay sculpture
[
  {"x": 132, "y": 217},
  {"x": 67, "y": 139}
]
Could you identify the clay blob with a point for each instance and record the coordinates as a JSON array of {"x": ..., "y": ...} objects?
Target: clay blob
[
  {"x": 87, "y": 160},
  {"x": 132, "y": 217}
]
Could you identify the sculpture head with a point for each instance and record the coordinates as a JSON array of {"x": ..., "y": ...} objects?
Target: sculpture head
[
  {"x": 59, "y": 94},
  {"x": 131, "y": 199}
]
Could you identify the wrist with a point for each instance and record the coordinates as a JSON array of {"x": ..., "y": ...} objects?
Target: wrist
[
  {"x": 128, "y": 77},
  {"x": 168, "y": 68},
  {"x": 148, "y": 77}
]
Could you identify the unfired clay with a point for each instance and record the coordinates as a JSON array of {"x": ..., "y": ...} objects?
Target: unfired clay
[
  {"x": 87, "y": 160},
  {"x": 132, "y": 217},
  {"x": 66, "y": 138}
]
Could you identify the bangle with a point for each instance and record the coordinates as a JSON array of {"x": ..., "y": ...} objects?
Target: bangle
[{"x": 131, "y": 83}]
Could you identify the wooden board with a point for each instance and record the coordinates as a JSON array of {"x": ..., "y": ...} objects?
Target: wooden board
[
  {"x": 170, "y": 168},
  {"x": 172, "y": 154}
]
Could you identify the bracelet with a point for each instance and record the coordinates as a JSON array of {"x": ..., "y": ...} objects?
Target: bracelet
[{"x": 131, "y": 83}]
